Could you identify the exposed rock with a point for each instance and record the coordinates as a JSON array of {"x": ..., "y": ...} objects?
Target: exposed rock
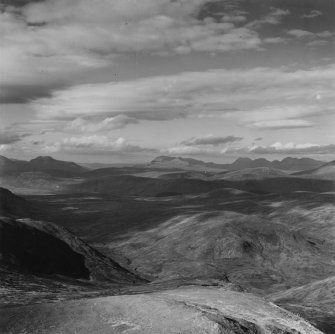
[{"x": 184, "y": 310}]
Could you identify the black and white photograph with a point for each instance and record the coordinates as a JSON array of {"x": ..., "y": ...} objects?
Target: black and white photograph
[{"x": 167, "y": 166}]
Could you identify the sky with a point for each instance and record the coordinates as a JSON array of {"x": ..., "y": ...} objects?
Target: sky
[{"x": 120, "y": 81}]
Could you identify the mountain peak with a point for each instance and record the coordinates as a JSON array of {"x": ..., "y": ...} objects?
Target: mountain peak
[{"x": 44, "y": 159}]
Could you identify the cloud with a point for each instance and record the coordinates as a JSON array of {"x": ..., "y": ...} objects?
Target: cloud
[
  {"x": 192, "y": 150},
  {"x": 210, "y": 140},
  {"x": 317, "y": 43},
  {"x": 109, "y": 123},
  {"x": 274, "y": 17},
  {"x": 312, "y": 14},
  {"x": 282, "y": 124},
  {"x": 292, "y": 148},
  {"x": 276, "y": 148},
  {"x": 95, "y": 144},
  {"x": 10, "y": 138},
  {"x": 258, "y": 97},
  {"x": 48, "y": 44},
  {"x": 275, "y": 40},
  {"x": 304, "y": 34}
]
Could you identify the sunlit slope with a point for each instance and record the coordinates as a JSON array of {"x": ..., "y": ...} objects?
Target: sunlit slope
[{"x": 185, "y": 310}]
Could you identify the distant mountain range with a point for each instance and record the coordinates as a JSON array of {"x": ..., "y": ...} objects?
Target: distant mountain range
[{"x": 289, "y": 164}]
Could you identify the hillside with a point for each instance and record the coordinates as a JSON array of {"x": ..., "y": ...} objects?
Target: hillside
[
  {"x": 7, "y": 165},
  {"x": 39, "y": 248},
  {"x": 257, "y": 173},
  {"x": 12, "y": 205},
  {"x": 314, "y": 301},
  {"x": 244, "y": 247},
  {"x": 326, "y": 171}
]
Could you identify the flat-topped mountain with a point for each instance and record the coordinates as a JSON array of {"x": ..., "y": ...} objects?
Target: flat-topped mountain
[{"x": 40, "y": 164}]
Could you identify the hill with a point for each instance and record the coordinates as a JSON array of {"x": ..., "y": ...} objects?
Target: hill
[
  {"x": 49, "y": 164},
  {"x": 257, "y": 173},
  {"x": 326, "y": 171},
  {"x": 242, "y": 246}
]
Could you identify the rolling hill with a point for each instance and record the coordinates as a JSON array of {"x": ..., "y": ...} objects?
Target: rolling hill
[
  {"x": 241, "y": 246},
  {"x": 257, "y": 173},
  {"x": 129, "y": 185},
  {"x": 326, "y": 171}
]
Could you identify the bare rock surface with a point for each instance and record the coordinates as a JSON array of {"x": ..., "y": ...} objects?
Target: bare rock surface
[{"x": 183, "y": 310}]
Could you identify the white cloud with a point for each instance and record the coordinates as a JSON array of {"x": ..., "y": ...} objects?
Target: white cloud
[
  {"x": 109, "y": 123},
  {"x": 292, "y": 148},
  {"x": 282, "y": 124},
  {"x": 95, "y": 144},
  {"x": 317, "y": 43},
  {"x": 275, "y": 40},
  {"x": 47, "y": 43},
  {"x": 312, "y": 14},
  {"x": 210, "y": 140},
  {"x": 304, "y": 34},
  {"x": 276, "y": 148},
  {"x": 248, "y": 96},
  {"x": 274, "y": 17}
]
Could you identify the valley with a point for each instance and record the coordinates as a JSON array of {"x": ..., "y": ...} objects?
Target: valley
[{"x": 175, "y": 237}]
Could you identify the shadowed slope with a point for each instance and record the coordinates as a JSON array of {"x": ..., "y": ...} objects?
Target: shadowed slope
[{"x": 44, "y": 248}]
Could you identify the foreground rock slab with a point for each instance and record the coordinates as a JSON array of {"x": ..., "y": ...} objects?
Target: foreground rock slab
[{"x": 183, "y": 310}]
